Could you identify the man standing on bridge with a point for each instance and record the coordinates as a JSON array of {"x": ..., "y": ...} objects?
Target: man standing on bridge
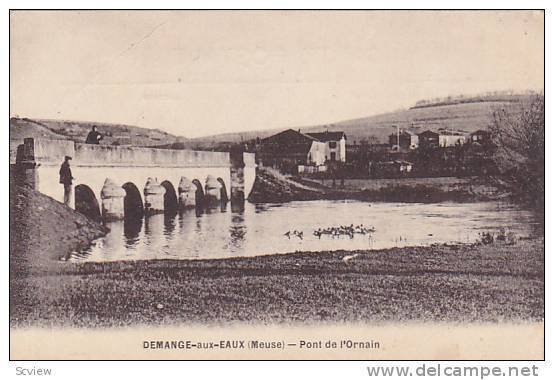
[
  {"x": 94, "y": 137},
  {"x": 66, "y": 178}
]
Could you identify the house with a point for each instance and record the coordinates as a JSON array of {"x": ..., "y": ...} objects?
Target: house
[
  {"x": 449, "y": 137},
  {"x": 289, "y": 149},
  {"x": 335, "y": 144},
  {"x": 428, "y": 140},
  {"x": 480, "y": 137},
  {"x": 404, "y": 140}
]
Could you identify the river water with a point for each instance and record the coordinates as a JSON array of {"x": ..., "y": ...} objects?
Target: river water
[{"x": 260, "y": 229}]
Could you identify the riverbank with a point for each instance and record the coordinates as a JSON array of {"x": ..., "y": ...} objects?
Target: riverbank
[
  {"x": 447, "y": 283},
  {"x": 273, "y": 187},
  {"x": 43, "y": 231}
]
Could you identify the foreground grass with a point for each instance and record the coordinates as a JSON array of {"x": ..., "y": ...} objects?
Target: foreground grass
[{"x": 470, "y": 283}]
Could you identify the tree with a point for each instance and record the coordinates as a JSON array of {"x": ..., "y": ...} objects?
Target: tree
[{"x": 518, "y": 136}]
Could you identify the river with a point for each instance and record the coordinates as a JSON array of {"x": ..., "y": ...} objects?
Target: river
[{"x": 260, "y": 229}]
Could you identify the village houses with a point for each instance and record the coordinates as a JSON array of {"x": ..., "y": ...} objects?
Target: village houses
[
  {"x": 296, "y": 152},
  {"x": 451, "y": 137},
  {"x": 403, "y": 140},
  {"x": 293, "y": 151}
]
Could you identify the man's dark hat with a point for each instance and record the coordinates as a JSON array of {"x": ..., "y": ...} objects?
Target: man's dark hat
[{"x": 67, "y": 158}]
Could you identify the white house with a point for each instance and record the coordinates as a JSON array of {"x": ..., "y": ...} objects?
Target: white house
[
  {"x": 449, "y": 137},
  {"x": 335, "y": 144},
  {"x": 317, "y": 153}
]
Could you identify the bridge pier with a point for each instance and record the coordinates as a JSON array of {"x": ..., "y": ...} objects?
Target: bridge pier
[
  {"x": 112, "y": 200},
  {"x": 187, "y": 194},
  {"x": 238, "y": 197},
  {"x": 212, "y": 191},
  {"x": 25, "y": 168},
  {"x": 153, "y": 197}
]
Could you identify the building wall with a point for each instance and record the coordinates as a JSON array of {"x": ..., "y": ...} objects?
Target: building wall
[
  {"x": 339, "y": 150},
  {"x": 451, "y": 140},
  {"x": 317, "y": 153},
  {"x": 414, "y": 141},
  {"x": 342, "y": 147},
  {"x": 428, "y": 140}
]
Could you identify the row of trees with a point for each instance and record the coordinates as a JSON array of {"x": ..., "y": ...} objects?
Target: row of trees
[{"x": 518, "y": 136}]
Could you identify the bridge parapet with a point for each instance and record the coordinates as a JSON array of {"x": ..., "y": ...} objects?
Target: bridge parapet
[
  {"x": 42, "y": 151},
  {"x": 53, "y": 151},
  {"x": 100, "y": 155}
]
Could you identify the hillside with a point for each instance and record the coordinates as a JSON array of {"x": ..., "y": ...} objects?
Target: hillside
[
  {"x": 463, "y": 113},
  {"x": 467, "y": 115},
  {"x": 463, "y": 116},
  {"x": 114, "y": 134}
]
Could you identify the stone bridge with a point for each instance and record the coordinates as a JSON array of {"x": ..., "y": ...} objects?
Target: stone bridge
[{"x": 114, "y": 182}]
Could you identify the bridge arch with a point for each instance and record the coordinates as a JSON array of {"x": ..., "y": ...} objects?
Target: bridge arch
[
  {"x": 132, "y": 203},
  {"x": 171, "y": 203},
  {"x": 224, "y": 194},
  {"x": 86, "y": 202}
]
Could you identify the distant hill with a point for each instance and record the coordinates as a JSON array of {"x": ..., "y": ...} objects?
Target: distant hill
[
  {"x": 114, "y": 134},
  {"x": 463, "y": 116},
  {"x": 469, "y": 114}
]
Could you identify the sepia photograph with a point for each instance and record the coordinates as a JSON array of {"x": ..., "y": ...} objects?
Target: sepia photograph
[{"x": 277, "y": 184}]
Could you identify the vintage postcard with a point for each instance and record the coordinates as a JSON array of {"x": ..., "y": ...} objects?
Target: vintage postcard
[{"x": 277, "y": 185}]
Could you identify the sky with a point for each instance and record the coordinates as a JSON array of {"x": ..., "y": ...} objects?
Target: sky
[{"x": 198, "y": 73}]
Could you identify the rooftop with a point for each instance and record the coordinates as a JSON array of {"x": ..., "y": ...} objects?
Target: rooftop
[{"x": 327, "y": 136}]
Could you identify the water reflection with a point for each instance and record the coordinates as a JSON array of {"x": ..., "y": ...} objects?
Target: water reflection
[
  {"x": 131, "y": 229},
  {"x": 249, "y": 230},
  {"x": 237, "y": 231},
  {"x": 169, "y": 224}
]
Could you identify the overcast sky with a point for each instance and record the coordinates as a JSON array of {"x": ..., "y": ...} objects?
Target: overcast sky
[{"x": 203, "y": 73}]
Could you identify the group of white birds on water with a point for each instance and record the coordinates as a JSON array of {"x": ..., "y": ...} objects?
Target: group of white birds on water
[
  {"x": 344, "y": 230},
  {"x": 350, "y": 231}
]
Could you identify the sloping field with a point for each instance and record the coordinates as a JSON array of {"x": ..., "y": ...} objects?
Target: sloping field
[
  {"x": 114, "y": 134},
  {"x": 21, "y": 128},
  {"x": 465, "y": 116}
]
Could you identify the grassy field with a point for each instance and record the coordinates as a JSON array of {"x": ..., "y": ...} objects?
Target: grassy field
[
  {"x": 476, "y": 186},
  {"x": 443, "y": 183},
  {"x": 269, "y": 187},
  {"x": 473, "y": 283},
  {"x": 77, "y": 131}
]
